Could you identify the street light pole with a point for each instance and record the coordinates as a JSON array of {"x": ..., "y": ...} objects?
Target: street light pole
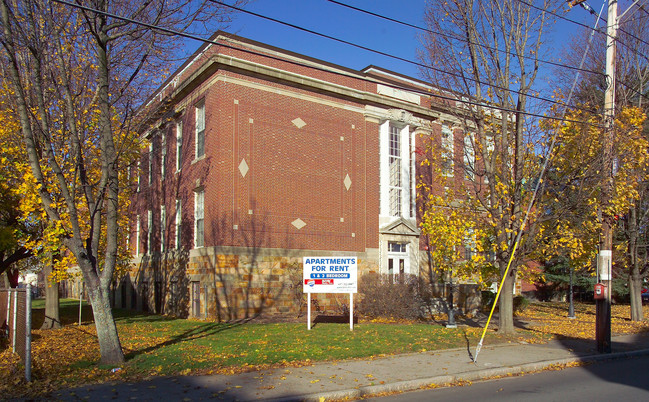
[
  {"x": 451, "y": 314},
  {"x": 571, "y": 307}
]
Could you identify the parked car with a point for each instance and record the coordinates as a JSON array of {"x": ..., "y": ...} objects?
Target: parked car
[{"x": 645, "y": 295}]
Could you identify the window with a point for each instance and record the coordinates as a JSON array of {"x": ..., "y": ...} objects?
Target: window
[
  {"x": 139, "y": 175},
  {"x": 396, "y": 171},
  {"x": 163, "y": 224},
  {"x": 199, "y": 217},
  {"x": 179, "y": 145},
  {"x": 469, "y": 156},
  {"x": 150, "y": 163},
  {"x": 447, "y": 151},
  {"x": 179, "y": 219},
  {"x": 129, "y": 237},
  {"x": 396, "y": 185},
  {"x": 137, "y": 236},
  {"x": 149, "y": 228},
  {"x": 163, "y": 156},
  {"x": 200, "y": 130},
  {"x": 395, "y": 247}
]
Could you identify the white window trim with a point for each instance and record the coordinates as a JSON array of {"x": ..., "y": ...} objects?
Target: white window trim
[
  {"x": 163, "y": 224},
  {"x": 139, "y": 176},
  {"x": 179, "y": 145},
  {"x": 199, "y": 214},
  {"x": 178, "y": 223},
  {"x": 469, "y": 156},
  {"x": 163, "y": 156},
  {"x": 150, "y": 163},
  {"x": 137, "y": 236},
  {"x": 448, "y": 150},
  {"x": 149, "y": 231},
  {"x": 198, "y": 110},
  {"x": 395, "y": 158}
]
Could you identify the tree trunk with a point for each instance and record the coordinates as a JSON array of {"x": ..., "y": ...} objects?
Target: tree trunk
[
  {"x": 506, "y": 305},
  {"x": 635, "y": 292},
  {"x": 109, "y": 344},
  {"x": 52, "y": 316},
  {"x": 635, "y": 277}
]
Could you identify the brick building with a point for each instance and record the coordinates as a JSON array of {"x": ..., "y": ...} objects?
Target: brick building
[{"x": 257, "y": 157}]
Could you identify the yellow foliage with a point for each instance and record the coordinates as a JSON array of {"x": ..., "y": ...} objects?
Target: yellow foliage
[
  {"x": 17, "y": 179},
  {"x": 577, "y": 161}
]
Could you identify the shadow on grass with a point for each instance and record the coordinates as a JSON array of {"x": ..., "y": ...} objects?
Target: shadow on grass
[
  {"x": 68, "y": 314},
  {"x": 333, "y": 319},
  {"x": 201, "y": 330}
]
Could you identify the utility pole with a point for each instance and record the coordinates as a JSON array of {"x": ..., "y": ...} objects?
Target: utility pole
[{"x": 605, "y": 257}]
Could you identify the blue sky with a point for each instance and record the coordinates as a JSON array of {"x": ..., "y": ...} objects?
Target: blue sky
[{"x": 346, "y": 24}]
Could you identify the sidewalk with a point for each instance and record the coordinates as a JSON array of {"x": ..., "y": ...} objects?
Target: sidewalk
[{"x": 350, "y": 379}]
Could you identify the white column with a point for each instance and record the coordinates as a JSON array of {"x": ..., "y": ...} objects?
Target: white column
[
  {"x": 384, "y": 167},
  {"x": 405, "y": 171}
]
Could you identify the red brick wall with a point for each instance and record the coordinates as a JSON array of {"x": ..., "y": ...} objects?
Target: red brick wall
[{"x": 293, "y": 172}]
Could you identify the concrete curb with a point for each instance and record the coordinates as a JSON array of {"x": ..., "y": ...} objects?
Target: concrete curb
[{"x": 447, "y": 380}]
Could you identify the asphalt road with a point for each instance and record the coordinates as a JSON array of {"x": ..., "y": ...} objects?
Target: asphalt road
[{"x": 616, "y": 380}]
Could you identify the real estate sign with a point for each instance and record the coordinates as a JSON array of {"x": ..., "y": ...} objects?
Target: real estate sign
[{"x": 330, "y": 275}]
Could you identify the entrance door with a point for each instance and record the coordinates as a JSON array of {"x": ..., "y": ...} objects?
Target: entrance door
[
  {"x": 196, "y": 299},
  {"x": 398, "y": 261}
]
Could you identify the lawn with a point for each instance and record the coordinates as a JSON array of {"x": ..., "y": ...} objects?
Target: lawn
[{"x": 156, "y": 345}]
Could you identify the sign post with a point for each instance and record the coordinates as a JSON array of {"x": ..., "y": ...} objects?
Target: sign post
[{"x": 330, "y": 275}]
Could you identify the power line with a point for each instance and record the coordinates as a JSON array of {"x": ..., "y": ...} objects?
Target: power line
[
  {"x": 588, "y": 27},
  {"x": 335, "y": 72},
  {"x": 461, "y": 39},
  {"x": 559, "y": 15},
  {"x": 641, "y": 7},
  {"x": 489, "y": 47},
  {"x": 428, "y": 67},
  {"x": 631, "y": 88},
  {"x": 632, "y": 36}
]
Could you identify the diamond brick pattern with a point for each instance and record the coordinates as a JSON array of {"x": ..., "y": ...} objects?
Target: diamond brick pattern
[
  {"x": 243, "y": 168},
  {"x": 299, "y": 123},
  {"x": 298, "y": 223},
  {"x": 347, "y": 182}
]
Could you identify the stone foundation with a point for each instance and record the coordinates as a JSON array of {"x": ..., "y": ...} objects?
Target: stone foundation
[{"x": 232, "y": 284}]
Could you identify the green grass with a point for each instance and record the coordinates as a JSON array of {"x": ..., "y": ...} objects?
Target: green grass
[
  {"x": 171, "y": 345},
  {"x": 160, "y": 345},
  {"x": 68, "y": 311},
  {"x": 63, "y": 303}
]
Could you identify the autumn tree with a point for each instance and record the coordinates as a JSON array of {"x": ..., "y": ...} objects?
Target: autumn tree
[
  {"x": 632, "y": 77},
  {"x": 489, "y": 54},
  {"x": 452, "y": 223},
  {"x": 15, "y": 229},
  {"x": 572, "y": 218},
  {"x": 78, "y": 72}
]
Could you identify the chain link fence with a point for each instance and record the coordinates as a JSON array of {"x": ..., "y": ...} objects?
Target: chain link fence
[{"x": 15, "y": 318}]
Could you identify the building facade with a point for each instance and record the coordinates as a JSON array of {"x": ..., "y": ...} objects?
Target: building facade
[{"x": 258, "y": 157}]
